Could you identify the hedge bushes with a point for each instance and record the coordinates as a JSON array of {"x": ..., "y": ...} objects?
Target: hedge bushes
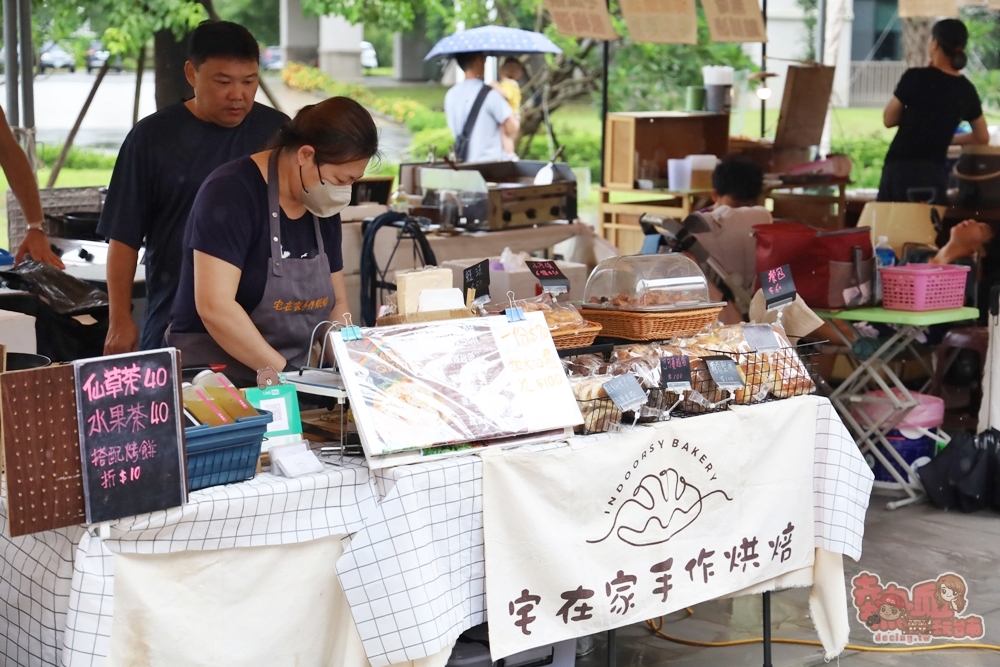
[
  {"x": 414, "y": 115},
  {"x": 868, "y": 155}
]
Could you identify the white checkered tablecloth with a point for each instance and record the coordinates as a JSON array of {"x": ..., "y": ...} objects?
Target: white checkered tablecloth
[
  {"x": 414, "y": 576},
  {"x": 57, "y": 587},
  {"x": 413, "y": 571}
]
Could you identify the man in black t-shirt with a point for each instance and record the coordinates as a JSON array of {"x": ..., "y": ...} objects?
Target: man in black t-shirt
[{"x": 163, "y": 163}]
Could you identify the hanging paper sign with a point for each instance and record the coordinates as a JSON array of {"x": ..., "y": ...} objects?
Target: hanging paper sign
[
  {"x": 778, "y": 286},
  {"x": 735, "y": 21},
  {"x": 549, "y": 275},
  {"x": 661, "y": 21},
  {"x": 477, "y": 277},
  {"x": 724, "y": 372},
  {"x": 675, "y": 373},
  {"x": 760, "y": 337},
  {"x": 928, "y": 8},
  {"x": 131, "y": 435},
  {"x": 582, "y": 18}
]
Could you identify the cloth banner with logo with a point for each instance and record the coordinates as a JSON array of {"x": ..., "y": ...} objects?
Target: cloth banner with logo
[{"x": 626, "y": 527}]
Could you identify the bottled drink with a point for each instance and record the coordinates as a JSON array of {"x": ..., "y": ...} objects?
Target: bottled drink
[
  {"x": 203, "y": 407},
  {"x": 884, "y": 256},
  {"x": 225, "y": 394}
]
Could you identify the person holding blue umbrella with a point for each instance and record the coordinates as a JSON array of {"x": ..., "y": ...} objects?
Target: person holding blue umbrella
[{"x": 478, "y": 115}]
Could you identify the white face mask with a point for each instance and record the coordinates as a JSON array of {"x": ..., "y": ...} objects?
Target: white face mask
[{"x": 325, "y": 199}]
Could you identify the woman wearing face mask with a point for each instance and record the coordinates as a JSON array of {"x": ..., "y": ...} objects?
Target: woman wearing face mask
[{"x": 263, "y": 264}]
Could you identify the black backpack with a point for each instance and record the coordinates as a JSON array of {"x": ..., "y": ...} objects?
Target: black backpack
[{"x": 461, "y": 146}]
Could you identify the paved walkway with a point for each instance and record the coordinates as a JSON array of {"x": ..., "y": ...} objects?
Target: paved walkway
[{"x": 909, "y": 545}]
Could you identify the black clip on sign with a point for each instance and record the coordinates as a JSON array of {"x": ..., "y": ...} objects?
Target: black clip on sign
[
  {"x": 760, "y": 337},
  {"x": 675, "y": 373},
  {"x": 477, "y": 277},
  {"x": 553, "y": 280},
  {"x": 778, "y": 286},
  {"x": 626, "y": 392},
  {"x": 724, "y": 372}
]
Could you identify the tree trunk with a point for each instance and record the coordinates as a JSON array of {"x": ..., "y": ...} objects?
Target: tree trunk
[
  {"x": 169, "y": 57},
  {"x": 916, "y": 39}
]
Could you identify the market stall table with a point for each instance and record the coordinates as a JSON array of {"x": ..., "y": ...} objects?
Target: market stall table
[
  {"x": 412, "y": 569},
  {"x": 875, "y": 372}
]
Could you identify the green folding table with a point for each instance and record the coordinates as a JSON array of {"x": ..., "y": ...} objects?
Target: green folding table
[{"x": 875, "y": 372}]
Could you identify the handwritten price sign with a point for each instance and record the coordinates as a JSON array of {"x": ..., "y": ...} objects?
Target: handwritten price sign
[
  {"x": 778, "y": 286},
  {"x": 549, "y": 275},
  {"x": 130, "y": 434},
  {"x": 477, "y": 277},
  {"x": 675, "y": 373}
]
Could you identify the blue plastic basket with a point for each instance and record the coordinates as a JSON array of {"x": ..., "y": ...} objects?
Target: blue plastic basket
[{"x": 224, "y": 454}]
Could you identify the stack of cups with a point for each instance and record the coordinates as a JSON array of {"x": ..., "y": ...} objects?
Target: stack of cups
[
  {"x": 718, "y": 88},
  {"x": 679, "y": 175},
  {"x": 700, "y": 168}
]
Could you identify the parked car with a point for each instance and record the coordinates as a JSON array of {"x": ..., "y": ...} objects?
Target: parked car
[
  {"x": 369, "y": 59},
  {"x": 54, "y": 56},
  {"x": 271, "y": 59},
  {"x": 97, "y": 55}
]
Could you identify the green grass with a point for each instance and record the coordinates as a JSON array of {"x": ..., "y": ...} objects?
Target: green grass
[
  {"x": 380, "y": 71},
  {"x": 68, "y": 178},
  {"x": 431, "y": 95}
]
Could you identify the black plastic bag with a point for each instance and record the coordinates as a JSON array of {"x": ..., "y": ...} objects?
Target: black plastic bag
[
  {"x": 62, "y": 292},
  {"x": 990, "y": 442},
  {"x": 936, "y": 476}
]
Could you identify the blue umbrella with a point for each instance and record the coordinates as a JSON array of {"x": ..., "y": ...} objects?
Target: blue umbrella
[{"x": 494, "y": 40}]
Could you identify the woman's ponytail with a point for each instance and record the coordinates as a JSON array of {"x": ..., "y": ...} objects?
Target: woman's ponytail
[{"x": 952, "y": 36}]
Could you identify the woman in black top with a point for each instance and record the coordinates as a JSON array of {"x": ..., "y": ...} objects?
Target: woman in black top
[{"x": 928, "y": 105}]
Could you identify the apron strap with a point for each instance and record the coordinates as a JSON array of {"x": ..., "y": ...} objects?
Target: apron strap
[
  {"x": 320, "y": 248},
  {"x": 274, "y": 212},
  {"x": 274, "y": 215}
]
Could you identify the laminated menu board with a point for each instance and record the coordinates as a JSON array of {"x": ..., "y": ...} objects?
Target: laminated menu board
[
  {"x": 131, "y": 434},
  {"x": 454, "y": 382}
]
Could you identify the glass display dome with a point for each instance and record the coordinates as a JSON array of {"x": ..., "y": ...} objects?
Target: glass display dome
[{"x": 647, "y": 283}]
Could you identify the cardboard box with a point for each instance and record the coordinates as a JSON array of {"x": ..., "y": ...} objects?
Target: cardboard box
[{"x": 522, "y": 283}]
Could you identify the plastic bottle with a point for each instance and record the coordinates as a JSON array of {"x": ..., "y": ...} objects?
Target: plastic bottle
[
  {"x": 225, "y": 394},
  {"x": 203, "y": 407},
  {"x": 884, "y": 256}
]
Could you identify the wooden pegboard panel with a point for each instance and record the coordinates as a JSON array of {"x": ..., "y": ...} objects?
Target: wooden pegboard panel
[{"x": 41, "y": 449}]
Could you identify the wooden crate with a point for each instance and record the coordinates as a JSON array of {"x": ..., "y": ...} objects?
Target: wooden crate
[{"x": 633, "y": 139}]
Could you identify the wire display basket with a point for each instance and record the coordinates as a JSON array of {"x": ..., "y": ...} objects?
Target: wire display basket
[{"x": 777, "y": 374}]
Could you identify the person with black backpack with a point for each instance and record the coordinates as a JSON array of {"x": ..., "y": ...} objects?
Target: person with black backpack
[{"x": 478, "y": 115}]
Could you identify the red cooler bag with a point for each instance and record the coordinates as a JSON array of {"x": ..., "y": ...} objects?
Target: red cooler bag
[{"x": 831, "y": 268}]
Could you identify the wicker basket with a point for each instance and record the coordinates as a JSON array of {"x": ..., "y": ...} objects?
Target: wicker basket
[
  {"x": 647, "y": 326},
  {"x": 566, "y": 340}
]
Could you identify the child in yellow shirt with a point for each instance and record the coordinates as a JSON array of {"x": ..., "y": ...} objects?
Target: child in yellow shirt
[{"x": 510, "y": 72}]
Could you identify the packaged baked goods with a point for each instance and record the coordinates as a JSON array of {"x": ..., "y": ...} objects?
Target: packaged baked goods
[
  {"x": 599, "y": 412},
  {"x": 791, "y": 377},
  {"x": 647, "y": 283},
  {"x": 586, "y": 365},
  {"x": 559, "y": 316}
]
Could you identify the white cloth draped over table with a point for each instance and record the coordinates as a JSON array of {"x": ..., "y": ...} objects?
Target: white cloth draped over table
[{"x": 412, "y": 569}]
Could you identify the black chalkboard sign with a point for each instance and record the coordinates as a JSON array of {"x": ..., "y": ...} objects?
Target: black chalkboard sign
[
  {"x": 760, "y": 337},
  {"x": 724, "y": 372},
  {"x": 626, "y": 392},
  {"x": 549, "y": 275},
  {"x": 477, "y": 277},
  {"x": 778, "y": 286},
  {"x": 131, "y": 435},
  {"x": 675, "y": 372}
]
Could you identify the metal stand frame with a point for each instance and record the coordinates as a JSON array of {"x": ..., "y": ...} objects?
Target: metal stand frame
[{"x": 871, "y": 436}]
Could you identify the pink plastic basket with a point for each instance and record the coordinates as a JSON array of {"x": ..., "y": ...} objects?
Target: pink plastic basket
[{"x": 923, "y": 286}]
